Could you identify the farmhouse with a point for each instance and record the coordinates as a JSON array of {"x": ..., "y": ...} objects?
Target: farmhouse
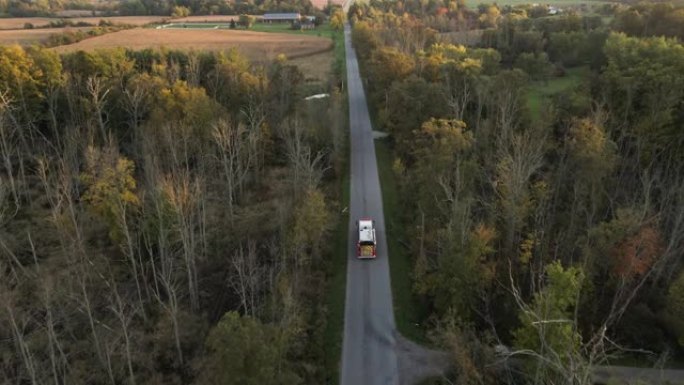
[{"x": 280, "y": 17}]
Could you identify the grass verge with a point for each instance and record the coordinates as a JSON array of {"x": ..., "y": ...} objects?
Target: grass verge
[
  {"x": 337, "y": 282},
  {"x": 337, "y": 272},
  {"x": 340, "y": 63},
  {"x": 409, "y": 313}
]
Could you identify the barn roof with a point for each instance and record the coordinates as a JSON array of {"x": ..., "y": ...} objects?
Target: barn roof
[{"x": 281, "y": 16}]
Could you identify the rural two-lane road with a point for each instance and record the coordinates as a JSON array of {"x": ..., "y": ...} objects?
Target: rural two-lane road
[{"x": 368, "y": 353}]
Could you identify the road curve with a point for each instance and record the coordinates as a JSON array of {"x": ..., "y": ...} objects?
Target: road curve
[{"x": 368, "y": 351}]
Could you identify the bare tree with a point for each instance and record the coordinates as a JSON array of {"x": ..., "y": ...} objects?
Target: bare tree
[
  {"x": 18, "y": 134},
  {"x": 185, "y": 195},
  {"x": 124, "y": 315},
  {"x": 27, "y": 357},
  {"x": 171, "y": 305},
  {"x": 98, "y": 92},
  {"x": 60, "y": 191},
  {"x": 233, "y": 145},
  {"x": 255, "y": 115},
  {"x": 52, "y": 96},
  {"x": 136, "y": 102},
  {"x": 58, "y": 360},
  {"x": 519, "y": 159},
  {"x": 306, "y": 167},
  {"x": 247, "y": 277},
  {"x": 193, "y": 69},
  {"x": 458, "y": 93},
  {"x": 132, "y": 252},
  {"x": 9, "y": 145}
]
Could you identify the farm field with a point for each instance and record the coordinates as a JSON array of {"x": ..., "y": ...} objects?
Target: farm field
[
  {"x": 255, "y": 45},
  {"x": 32, "y": 36}
]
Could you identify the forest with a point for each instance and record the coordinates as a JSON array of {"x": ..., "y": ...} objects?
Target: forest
[
  {"x": 557, "y": 235},
  {"x": 164, "y": 217}
]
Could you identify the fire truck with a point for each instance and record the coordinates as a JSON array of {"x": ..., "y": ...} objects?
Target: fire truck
[{"x": 365, "y": 247}]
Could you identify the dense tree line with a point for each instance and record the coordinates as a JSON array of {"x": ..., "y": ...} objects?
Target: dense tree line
[
  {"x": 648, "y": 19},
  {"x": 559, "y": 235},
  {"x": 26, "y": 8},
  {"x": 534, "y": 44},
  {"x": 438, "y": 15},
  {"x": 163, "y": 218},
  {"x": 214, "y": 7}
]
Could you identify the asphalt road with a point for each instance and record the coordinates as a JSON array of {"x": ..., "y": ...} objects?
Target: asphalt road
[
  {"x": 628, "y": 375},
  {"x": 368, "y": 352}
]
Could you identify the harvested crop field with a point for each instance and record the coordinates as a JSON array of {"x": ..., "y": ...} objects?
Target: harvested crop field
[
  {"x": 32, "y": 36},
  {"x": 254, "y": 45}
]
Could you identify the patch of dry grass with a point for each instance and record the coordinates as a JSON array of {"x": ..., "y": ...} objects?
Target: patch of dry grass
[
  {"x": 32, "y": 36},
  {"x": 254, "y": 45},
  {"x": 316, "y": 68}
]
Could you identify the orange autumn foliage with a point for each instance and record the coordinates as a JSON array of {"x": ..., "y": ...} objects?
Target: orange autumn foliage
[{"x": 636, "y": 254}]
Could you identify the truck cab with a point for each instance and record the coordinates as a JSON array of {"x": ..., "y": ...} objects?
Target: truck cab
[{"x": 365, "y": 247}]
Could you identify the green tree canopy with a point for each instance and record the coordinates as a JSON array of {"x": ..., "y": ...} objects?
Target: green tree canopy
[
  {"x": 547, "y": 323},
  {"x": 244, "y": 351}
]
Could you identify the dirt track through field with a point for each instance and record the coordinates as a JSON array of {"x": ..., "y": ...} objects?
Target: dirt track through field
[{"x": 254, "y": 45}]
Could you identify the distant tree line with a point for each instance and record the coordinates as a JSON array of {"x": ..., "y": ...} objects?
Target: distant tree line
[
  {"x": 558, "y": 235},
  {"x": 164, "y": 218},
  {"x": 26, "y": 8}
]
